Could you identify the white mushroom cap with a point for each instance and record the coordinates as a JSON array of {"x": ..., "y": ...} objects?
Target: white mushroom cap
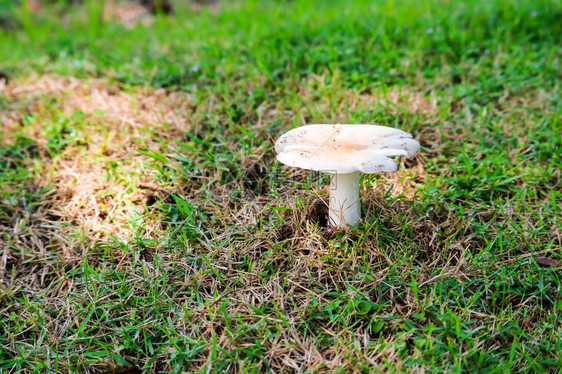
[{"x": 344, "y": 148}]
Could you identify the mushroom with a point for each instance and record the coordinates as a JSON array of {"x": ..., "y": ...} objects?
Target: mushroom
[{"x": 344, "y": 151}]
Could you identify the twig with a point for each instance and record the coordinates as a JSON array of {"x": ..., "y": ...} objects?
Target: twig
[
  {"x": 153, "y": 187},
  {"x": 4, "y": 261}
]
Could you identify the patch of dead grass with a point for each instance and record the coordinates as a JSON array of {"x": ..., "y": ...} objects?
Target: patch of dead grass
[
  {"x": 400, "y": 99},
  {"x": 128, "y": 13},
  {"x": 97, "y": 201}
]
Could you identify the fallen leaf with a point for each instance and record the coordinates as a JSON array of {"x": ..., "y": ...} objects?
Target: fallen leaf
[{"x": 548, "y": 262}]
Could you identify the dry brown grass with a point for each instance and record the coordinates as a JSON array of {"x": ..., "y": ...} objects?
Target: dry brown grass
[
  {"x": 88, "y": 198},
  {"x": 262, "y": 252},
  {"x": 128, "y": 13}
]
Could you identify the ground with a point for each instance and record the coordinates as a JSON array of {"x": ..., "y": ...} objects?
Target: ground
[{"x": 144, "y": 220}]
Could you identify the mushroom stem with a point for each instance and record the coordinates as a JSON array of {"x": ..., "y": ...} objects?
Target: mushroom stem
[{"x": 345, "y": 208}]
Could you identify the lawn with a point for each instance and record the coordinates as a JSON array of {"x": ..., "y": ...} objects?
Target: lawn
[{"x": 144, "y": 220}]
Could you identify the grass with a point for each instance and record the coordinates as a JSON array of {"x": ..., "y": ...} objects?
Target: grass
[{"x": 145, "y": 222}]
